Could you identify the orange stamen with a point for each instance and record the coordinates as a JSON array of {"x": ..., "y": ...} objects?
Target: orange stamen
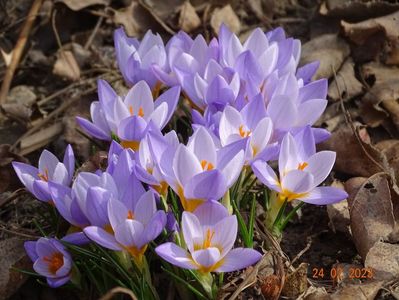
[
  {"x": 302, "y": 166},
  {"x": 55, "y": 262},
  {"x": 206, "y": 166},
  {"x": 131, "y": 110},
  {"x": 208, "y": 239},
  {"x": 44, "y": 176},
  {"x": 130, "y": 215},
  {"x": 141, "y": 112},
  {"x": 243, "y": 133}
]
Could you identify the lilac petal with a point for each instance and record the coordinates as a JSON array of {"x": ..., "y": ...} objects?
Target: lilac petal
[
  {"x": 225, "y": 234},
  {"x": 106, "y": 93},
  {"x": 171, "y": 98},
  {"x": 230, "y": 123},
  {"x": 185, "y": 165},
  {"x": 268, "y": 60},
  {"x": 176, "y": 256},
  {"x": 42, "y": 267},
  {"x": 92, "y": 129},
  {"x": 167, "y": 78},
  {"x": 206, "y": 257},
  {"x": 61, "y": 174},
  {"x": 276, "y": 35},
  {"x": 238, "y": 259},
  {"x": 101, "y": 237},
  {"x": 310, "y": 111},
  {"x": 314, "y": 90},
  {"x": 140, "y": 96},
  {"x": 248, "y": 67},
  {"x": 96, "y": 206},
  {"x": 133, "y": 191},
  {"x": 130, "y": 233},
  {"x": 61, "y": 196},
  {"x": 307, "y": 71},
  {"x": 26, "y": 174},
  {"x": 283, "y": 111},
  {"x": 159, "y": 115},
  {"x": 41, "y": 190},
  {"x": 253, "y": 112},
  {"x": 155, "y": 226},
  {"x": 257, "y": 42},
  {"x": 117, "y": 212},
  {"x": 266, "y": 175},
  {"x": 192, "y": 230},
  {"x": 320, "y": 165},
  {"x": 320, "y": 134},
  {"x": 30, "y": 248},
  {"x": 124, "y": 167},
  {"x": 230, "y": 160},
  {"x": 206, "y": 185},
  {"x": 210, "y": 212},
  {"x": 57, "y": 282},
  {"x": 219, "y": 92},
  {"x": 202, "y": 145},
  {"x": 65, "y": 269},
  {"x": 325, "y": 195},
  {"x": 261, "y": 135},
  {"x": 305, "y": 143},
  {"x": 76, "y": 238},
  {"x": 44, "y": 247},
  {"x": 288, "y": 158},
  {"x": 69, "y": 161},
  {"x": 145, "y": 208},
  {"x": 48, "y": 162},
  {"x": 144, "y": 176},
  {"x": 270, "y": 152},
  {"x": 132, "y": 128},
  {"x": 297, "y": 182}
]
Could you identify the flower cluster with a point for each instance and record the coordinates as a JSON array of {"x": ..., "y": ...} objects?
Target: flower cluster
[{"x": 250, "y": 106}]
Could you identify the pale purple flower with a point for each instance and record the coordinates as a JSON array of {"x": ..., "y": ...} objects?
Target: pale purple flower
[
  {"x": 250, "y": 123},
  {"x": 209, "y": 234},
  {"x": 301, "y": 171},
  {"x": 201, "y": 170},
  {"x": 129, "y": 118},
  {"x": 51, "y": 260},
  {"x": 135, "y": 58},
  {"x": 50, "y": 169},
  {"x": 133, "y": 225}
]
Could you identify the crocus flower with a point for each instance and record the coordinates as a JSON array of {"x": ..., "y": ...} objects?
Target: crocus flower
[
  {"x": 133, "y": 225},
  {"x": 135, "y": 58},
  {"x": 252, "y": 123},
  {"x": 209, "y": 234},
  {"x": 201, "y": 170},
  {"x": 50, "y": 169},
  {"x": 128, "y": 118},
  {"x": 51, "y": 260},
  {"x": 299, "y": 174}
]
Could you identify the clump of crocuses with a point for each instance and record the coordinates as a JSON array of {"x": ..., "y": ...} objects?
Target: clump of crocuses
[{"x": 160, "y": 198}]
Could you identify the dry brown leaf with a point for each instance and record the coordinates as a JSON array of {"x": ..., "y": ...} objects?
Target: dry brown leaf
[
  {"x": 383, "y": 258},
  {"x": 40, "y": 139},
  {"x": 227, "y": 16},
  {"x": 296, "y": 283},
  {"x": 379, "y": 34},
  {"x": 134, "y": 18},
  {"x": 356, "y": 9},
  {"x": 163, "y": 9},
  {"x": 329, "y": 49},
  {"x": 80, "y": 4},
  {"x": 17, "y": 111},
  {"x": 315, "y": 293},
  {"x": 348, "y": 84},
  {"x": 66, "y": 66},
  {"x": 263, "y": 9},
  {"x": 371, "y": 213},
  {"x": 363, "y": 291},
  {"x": 381, "y": 101},
  {"x": 188, "y": 19},
  {"x": 12, "y": 254},
  {"x": 351, "y": 158}
]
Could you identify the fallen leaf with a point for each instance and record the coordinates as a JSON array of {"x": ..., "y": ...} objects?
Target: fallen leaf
[
  {"x": 163, "y": 9},
  {"x": 22, "y": 94},
  {"x": 17, "y": 111},
  {"x": 188, "y": 19},
  {"x": 40, "y": 139},
  {"x": 80, "y": 4},
  {"x": 329, "y": 49},
  {"x": 379, "y": 34},
  {"x": 66, "y": 66},
  {"x": 134, "y": 18},
  {"x": 371, "y": 213},
  {"x": 351, "y": 157},
  {"x": 363, "y": 291},
  {"x": 381, "y": 101},
  {"x": 383, "y": 258},
  {"x": 315, "y": 293},
  {"x": 12, "y": 254},
  {"x": 347, "y": 82},
  {"x": 356, "y": 9},
  {"x": 263, "y": 9},
  {"x": 296, "y": 282},
  {"x": 227, "y": 16},
  {"x": 338, "y": 213}
]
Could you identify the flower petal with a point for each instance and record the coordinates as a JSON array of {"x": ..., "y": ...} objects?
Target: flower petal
[
  {"x": 185, "y": 165},
  {"x": 325, "y": 195},
  {"x": 266, "y": 175},
  {"x": 210, "y": 212},
  {"x": 175, "y": 255},
  {"x": 225, "y": 234},
  {"x": 192, "y": 230},
  {"x": 206, "y": 257},
  {"x": 297, "y": 182},
  {"x": 101, "y": 237},
  {"x": 238, "y": 259},
  {"x": 320, "y": 165},
  {"x": 206, "y": 185}
]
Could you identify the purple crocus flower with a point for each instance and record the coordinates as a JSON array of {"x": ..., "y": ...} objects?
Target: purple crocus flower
[
  {"x": 252, "y": 123},
  {"x": 128, "y": 118},
  {"x": 135, "y": 58},
  {"x": 133, "y": 225},
  {"x": 50, "y": 169},
  {"x": 51, "y": 260},
  {"x": 300, "y": 174},
  {"x": 209, "y": 234},
  {"x": 201, "y": 170}
]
